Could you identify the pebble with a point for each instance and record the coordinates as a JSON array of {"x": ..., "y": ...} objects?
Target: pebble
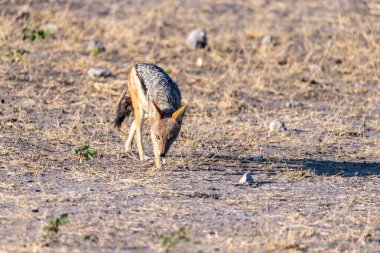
[
  {"x": 247, "y": 179},
  {"x": 267, "y": 39},
  {"x": 276, "y": 125},
  {"x": 50, "y": 27},
  {"x": 199, "y": 62},
  {"x": 196, "y": 39},
  {"x": 282, "y": 61},
  {"x": 292, "y": 103},
  {"x": 98, "y": 72},
  {"x": 179, "y": 49},
  {"x": 96, "y": 45},
  {"x": 258, "y": 158},
  {"x": 23, "y": 14}
]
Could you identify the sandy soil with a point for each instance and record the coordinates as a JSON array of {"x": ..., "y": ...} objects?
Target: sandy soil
[{"x": 317, "y": 182}]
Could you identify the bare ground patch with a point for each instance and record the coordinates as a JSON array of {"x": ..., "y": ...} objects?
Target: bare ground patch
[{"x": 317, "y": 184}]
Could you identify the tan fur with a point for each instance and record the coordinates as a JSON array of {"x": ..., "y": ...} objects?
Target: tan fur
[
  {"x": 164, "y": 130},
  {"x": 179, "y": 113}
]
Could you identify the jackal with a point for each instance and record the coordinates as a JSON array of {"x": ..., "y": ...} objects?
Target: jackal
[{"x": 152, "y": 91}]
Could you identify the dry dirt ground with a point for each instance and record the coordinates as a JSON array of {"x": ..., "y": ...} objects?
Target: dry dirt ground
[{"x": 317, "y": 185}]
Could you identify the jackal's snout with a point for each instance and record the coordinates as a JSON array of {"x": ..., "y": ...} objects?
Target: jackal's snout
[{"x": 164, "y": 147}]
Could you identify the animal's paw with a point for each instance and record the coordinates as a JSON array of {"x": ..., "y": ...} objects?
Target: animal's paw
[
  {"x": 128, "y": 148},
  {"x": 145, "y": 158}
]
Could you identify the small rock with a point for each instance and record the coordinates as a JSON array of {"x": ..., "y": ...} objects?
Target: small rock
[
  {"x": 292, "y": 103},
  {"x": 50, "y": 27},
  {"x": 315, "y": 68},
  {"x": 179, "y": 49},
  {"x": 282, "y": 61},
  {"x": 23, "y": 14},
  {"x": 98, "y": 72},
  {"x": 96, "y": 45},
  {"x": 289, "y": 104},
  {"x": 197, "y": 39},
  {"x": 199, "y": 62},
  {"x": 247, "y": 178},
  {"x": 267, "y": 39},
  {"x": 258, "y": 158},
  {"x": 276, "y": 125}
]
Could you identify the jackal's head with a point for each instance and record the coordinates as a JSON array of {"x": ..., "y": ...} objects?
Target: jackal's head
[{"x": 165, "y": 130}]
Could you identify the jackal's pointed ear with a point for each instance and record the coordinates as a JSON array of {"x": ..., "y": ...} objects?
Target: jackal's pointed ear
[
  {"x": 178, "y": 115},
  {"x": 155, "y": 112}
]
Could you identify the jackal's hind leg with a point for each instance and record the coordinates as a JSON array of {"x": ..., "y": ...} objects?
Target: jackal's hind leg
[{"x": 129, "y": 141}]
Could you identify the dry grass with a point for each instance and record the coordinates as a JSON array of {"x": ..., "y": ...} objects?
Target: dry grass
[{"x": 317, "y": 186}]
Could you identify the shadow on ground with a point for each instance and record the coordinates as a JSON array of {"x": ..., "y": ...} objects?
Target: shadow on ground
[
  {"x": 319, "y": 167},
  {"x": 332, "y": 168}
]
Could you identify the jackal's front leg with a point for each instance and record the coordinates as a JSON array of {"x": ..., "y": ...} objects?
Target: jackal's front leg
[
  {"x": 139, "y": 120},
  {"x": 156, "y": 150}
]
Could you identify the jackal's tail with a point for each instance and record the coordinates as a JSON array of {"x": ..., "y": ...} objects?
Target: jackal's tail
[{"x": 124, "y": 108}]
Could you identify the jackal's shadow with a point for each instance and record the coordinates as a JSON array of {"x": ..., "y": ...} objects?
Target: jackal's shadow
[{"x": 319, "y": 167}]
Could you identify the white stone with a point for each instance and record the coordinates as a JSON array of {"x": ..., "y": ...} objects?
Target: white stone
[
  {"x": 247, "y": 178},
  {"x": 266, "y": 39},
  {"x": 98, "y": 72},
  {"x": 199, "y": 62},
  {"x": 276, "y": 125},
  {"x": 197, "y": 39}
]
